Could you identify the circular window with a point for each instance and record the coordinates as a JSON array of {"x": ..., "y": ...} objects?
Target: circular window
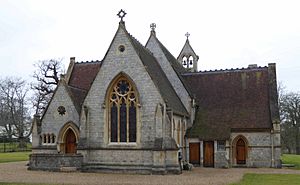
[
  {"x": 121, "y": 48},
  {"x": 61, "y": 110}
]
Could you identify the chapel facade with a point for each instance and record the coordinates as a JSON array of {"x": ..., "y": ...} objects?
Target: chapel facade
[{"x": 141, "y": 110}]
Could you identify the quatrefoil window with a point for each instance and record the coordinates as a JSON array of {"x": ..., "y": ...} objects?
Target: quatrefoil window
[{"x": 61, "y": 110}]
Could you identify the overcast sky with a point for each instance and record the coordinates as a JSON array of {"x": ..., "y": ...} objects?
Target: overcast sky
[{"x": 225, "y": 34}]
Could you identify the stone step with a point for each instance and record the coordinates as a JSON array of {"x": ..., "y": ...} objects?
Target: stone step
[
  {"x": 68, "y": 169},
  {"x": 288, "y": 165}
]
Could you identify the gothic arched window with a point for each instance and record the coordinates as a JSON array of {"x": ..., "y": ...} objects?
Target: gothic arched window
[
  {"x": 191, "y": 62},
  {"x": 185, "y": 61},
  {"x": 122, "y": 111}
]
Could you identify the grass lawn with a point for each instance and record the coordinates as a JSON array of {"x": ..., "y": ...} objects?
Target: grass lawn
[
  {"x": 291, "y": 159},
  {"x": 11, "y": 183},
  {"x": 13, "y": 147},
  {"x": 14, "y": 156},
  {"x": 269, "y": 179}
]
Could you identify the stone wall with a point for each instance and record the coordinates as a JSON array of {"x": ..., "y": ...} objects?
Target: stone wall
[
  {"x": 52, "y": 121},
  {"x": 221, "y": 159},
  {"x": 166, "y": 66},
  {"x": 98, "y": 151},
  {"x": 221, "y": 155},
  {"x": 55, "y": 162},
  {"x": 259, "y": 154},
  {"x": 259, "y": 150}
]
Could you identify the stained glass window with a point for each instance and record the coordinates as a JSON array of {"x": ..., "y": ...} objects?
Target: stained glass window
[{"x": 122, "y": 112}]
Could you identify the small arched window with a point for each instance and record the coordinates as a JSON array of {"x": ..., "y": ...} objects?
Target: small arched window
[
  {"x": 185, "y": 62},
  {"x": 191, "y": 62},
  {"x": 122, "y": 111}
]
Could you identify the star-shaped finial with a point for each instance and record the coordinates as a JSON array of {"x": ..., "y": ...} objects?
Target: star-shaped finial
[
  {"x": 152, "y": 26},
  {"x": 121, "y": 14},
  {"x": 187, "y": 35}
]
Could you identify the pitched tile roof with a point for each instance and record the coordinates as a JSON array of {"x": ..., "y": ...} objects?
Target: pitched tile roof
[
  {"x": 178, "y": 68},
  {"x": 81, "y": 79},
  {"x": 228, "y": 100},
  {"x": 83, "y": 74},
  {"x": 159, "y": 77}
]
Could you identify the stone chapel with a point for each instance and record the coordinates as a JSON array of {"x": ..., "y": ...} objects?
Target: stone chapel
[{"x": 141, "y": 110}]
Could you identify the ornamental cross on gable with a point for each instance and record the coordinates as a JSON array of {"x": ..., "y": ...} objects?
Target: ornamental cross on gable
[
  {"x": 121, "y": 14},
  {"x": 153, "y": 26},
  {"x": 187, "y": 35}
]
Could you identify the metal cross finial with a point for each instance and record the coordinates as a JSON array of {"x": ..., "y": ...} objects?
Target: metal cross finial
[
  {"x": 187, "y": 35},
  {"x": 121, "y": 14},
  {"x": 152, "y": 26}
]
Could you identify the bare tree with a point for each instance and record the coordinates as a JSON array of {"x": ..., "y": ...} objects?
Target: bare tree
[
  {"x": 290, "y": 120},
  {"x": 46, "y": 77},
  {"x": 15, "y": 120}
]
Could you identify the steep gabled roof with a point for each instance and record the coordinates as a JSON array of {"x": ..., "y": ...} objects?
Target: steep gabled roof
[
  {"x": 83, "y": 74},
  {"x": 158, "y": 77},
  {"x": 177, "y": 67},
  {"x": 187, "y": 48},
  {"x": 81, "y": 79},
  {"x": 230, "y": 100}
]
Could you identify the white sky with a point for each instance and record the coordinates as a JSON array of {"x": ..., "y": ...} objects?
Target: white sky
[{"x": 225, "y": 33}]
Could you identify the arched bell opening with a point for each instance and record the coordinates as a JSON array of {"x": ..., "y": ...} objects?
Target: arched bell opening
[{"x": 185, "y": 62}]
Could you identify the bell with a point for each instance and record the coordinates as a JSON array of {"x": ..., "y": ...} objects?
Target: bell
[
  {"x": 191, "y": 62},
  {"x": 184, "y": 63}
]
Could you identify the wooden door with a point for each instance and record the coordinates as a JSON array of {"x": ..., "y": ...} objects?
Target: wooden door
[
  {"x": 70, "y": 142},
  {"x": 208, "y": 154},
  {"x": 240, "y": 152},
  {"x": 195, "y": 153}
]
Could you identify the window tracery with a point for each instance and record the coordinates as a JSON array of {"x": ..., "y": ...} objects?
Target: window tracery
[
  {"x": 122, "y": 112},
  {"x": 48, "y": 138}
]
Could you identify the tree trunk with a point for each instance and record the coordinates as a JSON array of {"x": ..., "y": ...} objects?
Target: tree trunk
[{"x": 22, "y": 143}]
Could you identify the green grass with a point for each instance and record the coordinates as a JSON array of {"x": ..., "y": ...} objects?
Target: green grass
[
  {"x": 13, "y": 147},
  {"x": 269, "y": 179},
  {"x": 291, "y": 159},
  {"x": 14, "y": 156},
  {"x": 12, "y": 183}
]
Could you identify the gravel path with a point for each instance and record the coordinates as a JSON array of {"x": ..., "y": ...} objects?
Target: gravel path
[{"x": 17, "y": 172}]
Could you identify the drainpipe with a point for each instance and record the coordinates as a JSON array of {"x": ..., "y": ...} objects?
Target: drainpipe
[
  {"x": 87, "y": 125},
  {"x": 272, "y": 148},
  {"x": 163, "y": 106}
]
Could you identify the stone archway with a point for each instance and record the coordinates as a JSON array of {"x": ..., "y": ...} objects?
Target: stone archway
[
  {"x": 70, "y": 142},
  {"x": 240, "y": 150},
  {"x": 68, "y": 139}
]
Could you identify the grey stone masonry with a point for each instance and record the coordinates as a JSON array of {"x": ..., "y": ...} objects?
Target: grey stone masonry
[
  {"x": 166, "y": 66},
  {"x": 52, "y": 121},
  {"x": 55, "y": 162},
  {"x": 261, "y": 151},
  {"x": 99, "y": 153}
]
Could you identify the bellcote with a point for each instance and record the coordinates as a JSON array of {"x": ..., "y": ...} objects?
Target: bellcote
[{"x": 187, "y": 57}]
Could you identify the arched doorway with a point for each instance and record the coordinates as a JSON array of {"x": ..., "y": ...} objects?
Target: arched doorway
[
  {"x": 68, "y": 137},
  {"x": 70, "y": 142},
  {"x": 241, "y": 151}
]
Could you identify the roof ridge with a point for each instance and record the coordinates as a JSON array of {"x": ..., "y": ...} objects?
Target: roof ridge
[
  {"x": 89, "y": 62},
  {"x": 226, "y": 70},
  {"x": 175, "y": 61},
  {"x": 138, "y": 42},
  {"x": 155, "y": 72}
]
